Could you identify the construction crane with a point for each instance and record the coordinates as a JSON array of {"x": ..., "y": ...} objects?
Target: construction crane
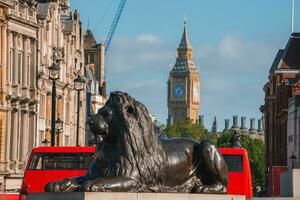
[{"x": 114, "y": 25}]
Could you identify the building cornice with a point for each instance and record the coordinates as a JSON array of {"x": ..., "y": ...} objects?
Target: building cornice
[
  {"x": 287, "y": 71},
  {"x": 23, "y": 21},
  {"x": 6, "y": 3}
]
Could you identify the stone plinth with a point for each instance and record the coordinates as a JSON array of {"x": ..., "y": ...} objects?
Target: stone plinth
[
  {"x": 289, "y": 183},
  {"x": 129, "y": 196}
]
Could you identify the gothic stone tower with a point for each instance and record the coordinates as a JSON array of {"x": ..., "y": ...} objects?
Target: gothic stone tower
[{"x": 184, "y": 84}]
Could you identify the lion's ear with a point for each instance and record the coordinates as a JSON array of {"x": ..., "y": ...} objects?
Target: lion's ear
[{"x": 130, "y": 110}]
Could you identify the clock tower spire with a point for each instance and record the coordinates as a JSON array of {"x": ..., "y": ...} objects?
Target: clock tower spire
[{"x": 184, "y": 83}]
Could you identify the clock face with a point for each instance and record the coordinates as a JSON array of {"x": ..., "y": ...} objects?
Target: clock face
[
  {"x": 196, "y": 93},
  {"x": 178, "y": 91}
]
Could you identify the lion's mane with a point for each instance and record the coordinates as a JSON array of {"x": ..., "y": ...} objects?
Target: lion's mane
[{"x": 138, "y": 152}]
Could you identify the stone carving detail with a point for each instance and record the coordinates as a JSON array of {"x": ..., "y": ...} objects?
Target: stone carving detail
[
  {"x": 130, "y": 156},
  {"x": 235, "y": 140},
  {"x": 32, "y": 3}
]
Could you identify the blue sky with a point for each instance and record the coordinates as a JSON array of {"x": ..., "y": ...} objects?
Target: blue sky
[{"x": 234, "y": 44}]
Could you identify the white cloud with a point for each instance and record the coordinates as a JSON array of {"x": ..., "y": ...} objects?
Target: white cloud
[
  {"x": 148, "y": 38},
  {"x": 141, "y": 53},
  {"x": 230, "y": 48}
]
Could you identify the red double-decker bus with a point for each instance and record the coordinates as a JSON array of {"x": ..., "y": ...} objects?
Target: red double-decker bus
[
  {"x": 47, "y": 164},
  {"x": 239, "y": 172}
]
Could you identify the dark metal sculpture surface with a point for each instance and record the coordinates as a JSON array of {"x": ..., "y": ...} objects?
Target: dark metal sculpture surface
[{"x": 130, "y": 156}]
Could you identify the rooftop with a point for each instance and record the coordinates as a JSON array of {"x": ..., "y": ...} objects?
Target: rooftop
[{"x": 290, "y": 58}]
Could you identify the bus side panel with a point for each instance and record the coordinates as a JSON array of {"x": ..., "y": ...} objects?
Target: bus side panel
[
  {"x": 247, "y": 176},
  {"x": 36, "y": 180},
  {"x": 232, "y": 187}
]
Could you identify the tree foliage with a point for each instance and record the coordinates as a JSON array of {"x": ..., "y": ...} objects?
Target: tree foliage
[
  {"x": 186, "y": 128},
  {"x": 255, "y": 149}
]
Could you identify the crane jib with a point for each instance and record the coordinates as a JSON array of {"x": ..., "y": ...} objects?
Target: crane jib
[{"x": 114, "y": 25}]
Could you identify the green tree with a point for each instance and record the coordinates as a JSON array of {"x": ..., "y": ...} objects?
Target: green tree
[
  {"x": 186, "y": 128},
  {"x": 255, "y": 149}
]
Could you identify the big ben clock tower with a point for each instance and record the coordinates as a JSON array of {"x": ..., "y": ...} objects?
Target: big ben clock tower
[{"x": 184, "y": 84}]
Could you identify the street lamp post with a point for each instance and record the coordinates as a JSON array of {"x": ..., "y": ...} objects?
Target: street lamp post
[
  {"x": 78, "y": 86},
  {"x": 293, "y": 158},
  {"x": 54, "y": 76},
  {"x": 59, "y": 127}
]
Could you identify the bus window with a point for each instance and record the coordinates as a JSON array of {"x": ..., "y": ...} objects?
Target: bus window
[
  {"x": 67, "y": 161},
  {"x": 234, "y": 162}
]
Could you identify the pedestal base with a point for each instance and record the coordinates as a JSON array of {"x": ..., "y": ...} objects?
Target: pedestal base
[
  {"x": 289, "y": 183},
  {"x": 130, "y": 196}
]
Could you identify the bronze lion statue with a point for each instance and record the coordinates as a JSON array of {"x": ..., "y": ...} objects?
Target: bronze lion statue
[{"x": 130, "y": 156}]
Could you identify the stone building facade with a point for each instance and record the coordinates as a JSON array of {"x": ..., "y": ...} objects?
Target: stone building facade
[
  {"x": 31, "y": 29},
  {"x": 94, "y": 56},
  {"x": 60, "y": 29},
  {"x": 4, "y": 5},
  {"x": 293, "y": 132},
  {"x": 184, "y": 84},
  {"x": 95, "y": 77},
  {"x": 19, "y": 92}
]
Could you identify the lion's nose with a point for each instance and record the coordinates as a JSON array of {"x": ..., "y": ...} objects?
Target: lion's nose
[
  {"x": 102, "y": 126},
  {"x": 91, "y": 122}
]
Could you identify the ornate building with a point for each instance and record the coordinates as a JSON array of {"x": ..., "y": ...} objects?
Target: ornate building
[
  {"x": 184, "y": 84},
  {"x": 30, "y": 30},
  {"x": 94, "y": 59},
  {"x": 4, "y": 5},
  {"x": 60, "y": 29},
  {"x": 94, "y": 73},
  {"x": 282, "y": 85},
  {"x": 18, "y": 91}
]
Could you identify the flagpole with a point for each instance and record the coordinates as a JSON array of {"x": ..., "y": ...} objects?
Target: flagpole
[{"x": 293, "y": 15}]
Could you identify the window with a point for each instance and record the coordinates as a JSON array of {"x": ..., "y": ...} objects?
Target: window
[
  {"x": 42, "y": 136},
  {"x": 234, "y": 162},
  {"x": 86, "y": 59},
  {"x": 19, "y": 68},
  {"x": 290, "y": 138},
  {"x": 67, "y": 112},
  {"x": 48, "y": 106},
  {"x": 28, "y": 70},
  {"x": 42, "y": 106},
  {"x": 55, "y": 161},
  {"x": 10, "y": 65},
  {"x": 92, "y": 58},
  {"x": 67, "y": 140}
]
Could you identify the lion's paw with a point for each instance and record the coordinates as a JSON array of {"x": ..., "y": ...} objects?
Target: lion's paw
[
  {"x": 217, "y": 188},
  {"x": 52, "y": 187},
  {"x": 90, "y": 187},
  {"x": 86, "y": 186}
]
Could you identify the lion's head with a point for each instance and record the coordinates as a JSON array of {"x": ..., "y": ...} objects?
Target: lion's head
[{"x": 125, "y": 125}]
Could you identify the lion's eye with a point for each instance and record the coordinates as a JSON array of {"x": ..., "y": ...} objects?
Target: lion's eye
[
  {"x": 117, "y": 100},
  {"x": 130, "y": 110}
]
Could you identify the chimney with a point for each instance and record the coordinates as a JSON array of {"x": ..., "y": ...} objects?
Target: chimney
[
  {"x": 235, "y": 121},
  {"x": 227, "y": 122},
  {"x": 214, "y": 128},
  {"x": 252, "y": 124},
  {"x": 243, "y": 123},
  {"x": 259, "y": 127}
]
